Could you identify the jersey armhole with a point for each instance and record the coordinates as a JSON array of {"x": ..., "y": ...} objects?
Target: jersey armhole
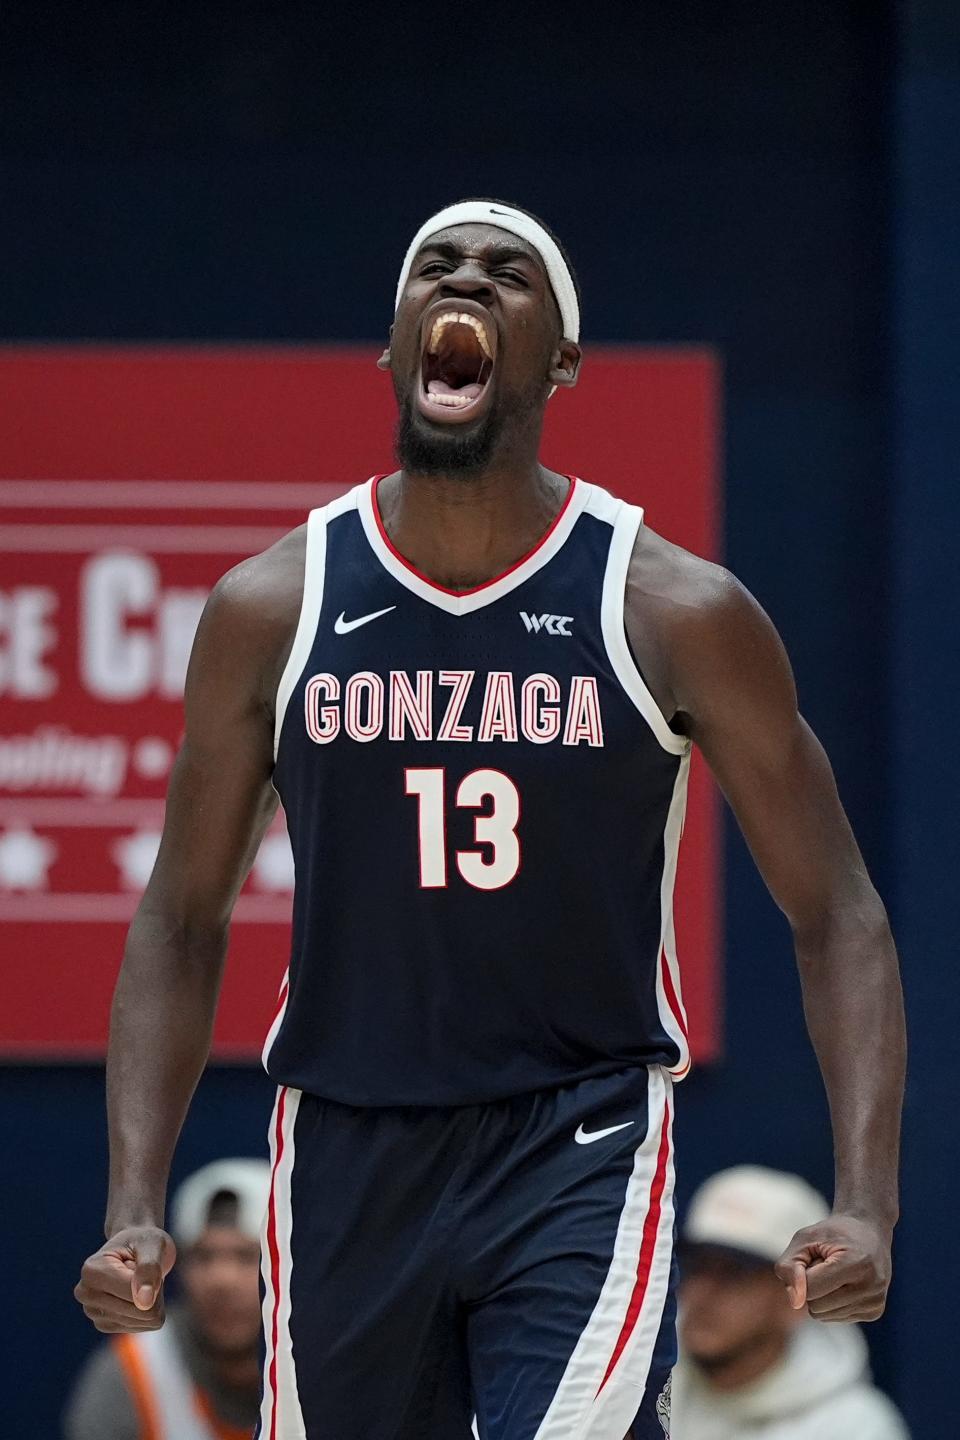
[
  {"x": 313, "y": 576},
  {"x": 626, "y": 526}
]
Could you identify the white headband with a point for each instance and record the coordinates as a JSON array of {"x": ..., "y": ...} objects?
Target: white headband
[{"x": 482, "y": 212}]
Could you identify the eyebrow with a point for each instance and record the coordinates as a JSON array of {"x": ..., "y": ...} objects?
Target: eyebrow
[{"x": 495, "y": 254}]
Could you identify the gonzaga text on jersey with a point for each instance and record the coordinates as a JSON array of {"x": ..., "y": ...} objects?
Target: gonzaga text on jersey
[{"x": 538, "y": 708}]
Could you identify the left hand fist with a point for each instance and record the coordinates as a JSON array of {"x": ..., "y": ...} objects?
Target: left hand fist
[{"x": 839, "y": 1269}]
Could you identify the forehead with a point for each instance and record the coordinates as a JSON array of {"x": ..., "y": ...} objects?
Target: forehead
[{"x": 483, "y": 242}]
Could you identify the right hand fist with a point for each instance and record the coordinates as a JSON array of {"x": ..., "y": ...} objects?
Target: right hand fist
[{"x": 121, "y": 1286}]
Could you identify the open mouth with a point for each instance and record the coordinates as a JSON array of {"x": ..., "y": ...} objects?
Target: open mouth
[{"x": 456, "y": 364}]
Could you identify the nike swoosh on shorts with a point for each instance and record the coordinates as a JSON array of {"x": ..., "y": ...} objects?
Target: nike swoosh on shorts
[{"x": 587, "y": 1137}]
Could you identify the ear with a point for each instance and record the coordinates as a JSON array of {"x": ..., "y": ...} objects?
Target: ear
[
  {"x": 384, "y": 362},
  {"x": 565, "y": 363}
]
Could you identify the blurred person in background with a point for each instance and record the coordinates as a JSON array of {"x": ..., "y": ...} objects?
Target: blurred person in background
[
  {"x": 199, "y": 1377},
  {"x": 750, "y": 1364}
]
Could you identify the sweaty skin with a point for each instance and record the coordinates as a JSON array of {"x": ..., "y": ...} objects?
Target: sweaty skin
[{"x": 717, "y": 669}]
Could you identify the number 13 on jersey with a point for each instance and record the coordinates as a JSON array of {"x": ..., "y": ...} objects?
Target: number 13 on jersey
[{"x": 490, "y": 791}]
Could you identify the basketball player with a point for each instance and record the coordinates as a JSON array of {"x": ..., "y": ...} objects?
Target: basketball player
[{"x": 475, "y": 684}]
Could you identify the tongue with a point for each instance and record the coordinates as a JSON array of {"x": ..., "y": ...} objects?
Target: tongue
[{"x": 440, "y": 387}]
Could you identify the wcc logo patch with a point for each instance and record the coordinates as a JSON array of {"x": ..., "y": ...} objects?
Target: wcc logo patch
[{"x": 549, "y": 624}]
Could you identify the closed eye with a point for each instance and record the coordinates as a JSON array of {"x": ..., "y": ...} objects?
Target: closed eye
[{"x": 444, "y": 267}]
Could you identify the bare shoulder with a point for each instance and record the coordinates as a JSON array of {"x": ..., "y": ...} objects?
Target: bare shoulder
[
  {"x": 689, "y": 619},
  {"x": 251, "y": 615},
  {"x": 266, "y": 589},
  {"x": 665, "y": 574}
]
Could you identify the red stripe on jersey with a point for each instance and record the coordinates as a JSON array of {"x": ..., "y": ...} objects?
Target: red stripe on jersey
[
  {"x": 673, "y": 999},
  {"x": 281, "y": 1001},
  {"x": 275, "y": 1262},
  {"x": 475, "y": 589},
  {"x": 647, "y": 1246}
]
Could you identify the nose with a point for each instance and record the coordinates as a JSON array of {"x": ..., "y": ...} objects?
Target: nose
[{"x": 468, "y": 279}]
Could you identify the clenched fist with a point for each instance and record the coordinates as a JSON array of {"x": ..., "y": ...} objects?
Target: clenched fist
[
  {"x": 839, "y": 1269},
  {"x": 121, "y": 1286}
]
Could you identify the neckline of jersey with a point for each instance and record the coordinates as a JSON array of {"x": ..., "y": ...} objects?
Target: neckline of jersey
[{"x": 576, "y": 487}]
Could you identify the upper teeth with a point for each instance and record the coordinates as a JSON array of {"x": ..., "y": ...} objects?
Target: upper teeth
[{"x": 452, "y": 317}]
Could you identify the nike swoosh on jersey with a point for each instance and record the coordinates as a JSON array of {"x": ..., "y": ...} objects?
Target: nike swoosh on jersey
[
  {"x": 342, "y": 626},
  {"x": 587, "y": 1137}
]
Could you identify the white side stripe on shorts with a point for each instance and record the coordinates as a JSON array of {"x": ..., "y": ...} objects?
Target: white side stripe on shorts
[
  {"x": 601, "y": 1389},
  {"x": 280, "y": 1415}
]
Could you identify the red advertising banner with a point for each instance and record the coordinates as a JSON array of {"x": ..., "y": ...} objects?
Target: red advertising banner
[{"x": 130, "y": 479}]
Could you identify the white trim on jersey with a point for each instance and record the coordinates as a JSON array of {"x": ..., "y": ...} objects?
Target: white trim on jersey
[
  {"x": 626, "y": 521},
  {"x": 314, "y": 567},
  {"x": 281, "y": 1417},
  {"x": 283, "y": 995},
  {"x": 673, "y": 1022},
  {"x": 601, "y": 1389},
  {"x": 469, "y": 601}
]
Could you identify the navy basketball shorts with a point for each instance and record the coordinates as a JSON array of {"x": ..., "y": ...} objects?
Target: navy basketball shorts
[{"x": 511, "y": 1262}]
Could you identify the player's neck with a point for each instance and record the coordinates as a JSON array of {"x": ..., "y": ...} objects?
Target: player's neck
[{"x": 464, "y": 532}]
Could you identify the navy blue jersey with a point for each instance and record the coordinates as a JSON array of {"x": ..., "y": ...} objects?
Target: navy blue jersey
[{"x": 485, "y": 806}]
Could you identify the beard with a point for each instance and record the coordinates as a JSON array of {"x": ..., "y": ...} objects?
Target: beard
[
  {"x": 716, "y": 1363},
  {"x": 457, "y": 450}
]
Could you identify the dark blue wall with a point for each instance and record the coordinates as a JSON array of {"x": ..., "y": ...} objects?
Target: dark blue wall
[
  {"x": 925, "y": 628},
  {"x": 741, "y": 175}
]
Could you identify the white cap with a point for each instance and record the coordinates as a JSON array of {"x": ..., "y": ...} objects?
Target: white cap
[
  {"x": 249, "y": 1180},
  {"x": 752, "y": 1209}
]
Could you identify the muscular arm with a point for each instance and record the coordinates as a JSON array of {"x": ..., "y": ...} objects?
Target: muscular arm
[
  {"x": 726, "y": 678},
  {"x": 219, "y": 803}
]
